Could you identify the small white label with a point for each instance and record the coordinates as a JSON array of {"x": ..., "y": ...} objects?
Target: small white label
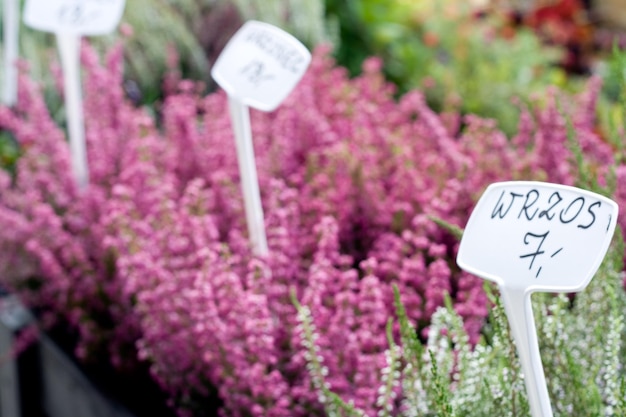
[
  {"x": 75, "y": 17},
  {"x": 260, "y": 65},
  {"x": 538, "y": 236}
]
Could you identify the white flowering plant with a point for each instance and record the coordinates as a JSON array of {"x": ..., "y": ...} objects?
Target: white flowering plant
[{"x": 582, "y": 341}]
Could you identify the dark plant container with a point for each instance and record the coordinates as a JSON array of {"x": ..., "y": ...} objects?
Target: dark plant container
[{"x": 44, "y": 380}]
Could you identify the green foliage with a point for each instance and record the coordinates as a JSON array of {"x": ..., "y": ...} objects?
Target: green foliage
[
  {"x": 159, "y": 26},
  {"x": 582, "y": 342},
  {"x": 9, "y": 151},
  {"x": 613, "y": 103},
  {"x": 304, "y": 19},
  {"x": 460, "y": 60},
  {"x": 453, "y": 229},
  {"x": 614, "y": 75},
  {"x": 586, "y": 174}
]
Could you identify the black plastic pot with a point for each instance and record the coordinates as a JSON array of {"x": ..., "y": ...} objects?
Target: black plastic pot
[
  {"x": 67, "y": 391},
  {"x": 45, "y": 381}
]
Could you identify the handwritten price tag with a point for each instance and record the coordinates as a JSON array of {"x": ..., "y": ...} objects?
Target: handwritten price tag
[
  {"x": 260, "y": 65},
  {"x": 533, "y": 236},
  {"x": 77, "y": 17},
  {"x": 538, "y": 236}
]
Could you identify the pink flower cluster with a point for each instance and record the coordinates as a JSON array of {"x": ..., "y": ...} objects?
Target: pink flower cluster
[{"x": 153, "y": 258}]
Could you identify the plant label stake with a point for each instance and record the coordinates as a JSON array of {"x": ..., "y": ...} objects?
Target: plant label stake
[
  {"x": 10, "y": 15},
  {"x": 258, "y": 67},
  {"x": 69, "y": 20},
  {"x": 534, "y": 236}
]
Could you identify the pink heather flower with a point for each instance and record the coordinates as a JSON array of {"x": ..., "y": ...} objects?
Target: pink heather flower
[{"x": 153, "y": 257}]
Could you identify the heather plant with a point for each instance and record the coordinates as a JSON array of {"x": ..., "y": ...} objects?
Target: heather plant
[
  {"x": 53, "y": 246},
  {"x": 151, "y": 262},
  {"x": 582, "y": 338},
  {"x": 582, "y": 343}
]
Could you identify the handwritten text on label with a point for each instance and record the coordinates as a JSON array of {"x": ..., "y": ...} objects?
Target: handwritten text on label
[
  {"x": 579, "y": 211},
  {"x": 79, "y": 17},
  {"x": 287, "y": 57},
  {"x": 555, "y": 207},
  {"x": 260, "y": 65},
  {"x": 538, "y": 235},
  {"x": 256, "y": 73},
  {"x": 533, "y": 236}
]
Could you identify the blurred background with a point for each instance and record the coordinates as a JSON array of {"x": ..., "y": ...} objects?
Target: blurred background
[{"x": 470, "y": 55}]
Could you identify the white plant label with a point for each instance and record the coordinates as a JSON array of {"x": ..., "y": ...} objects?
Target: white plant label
[
  {"x": 76, "y": 17},
  {"x": 537, "y": 236},
  {"x": 534, "y": 236},
  {"x": 10, "y": 16},
  {"x": 260, "y": 65}
]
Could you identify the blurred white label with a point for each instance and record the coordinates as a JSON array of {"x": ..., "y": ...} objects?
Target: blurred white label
[
  {"x": 538, "y": 236},
  {"x": 260, "y": 65},
  {"x": 76, "y": 17}
]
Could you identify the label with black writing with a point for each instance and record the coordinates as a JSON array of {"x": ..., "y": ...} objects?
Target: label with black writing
[
  {"x": 75, "y": 17},
  {"x": 260, "y": 65},
  {"x": 538, "y": 236}
]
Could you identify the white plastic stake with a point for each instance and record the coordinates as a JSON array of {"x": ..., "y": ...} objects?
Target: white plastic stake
[
  {"x": 240, "y": 117},
  {"x": 258, "y": 68},
  {"x": 518, "y": 308},
  {"x": 69, "y": 49},
  {"x": 534, "y": 236},
  {"x": 10, "y": 14},
  {"x": 70, "y": 20}
]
